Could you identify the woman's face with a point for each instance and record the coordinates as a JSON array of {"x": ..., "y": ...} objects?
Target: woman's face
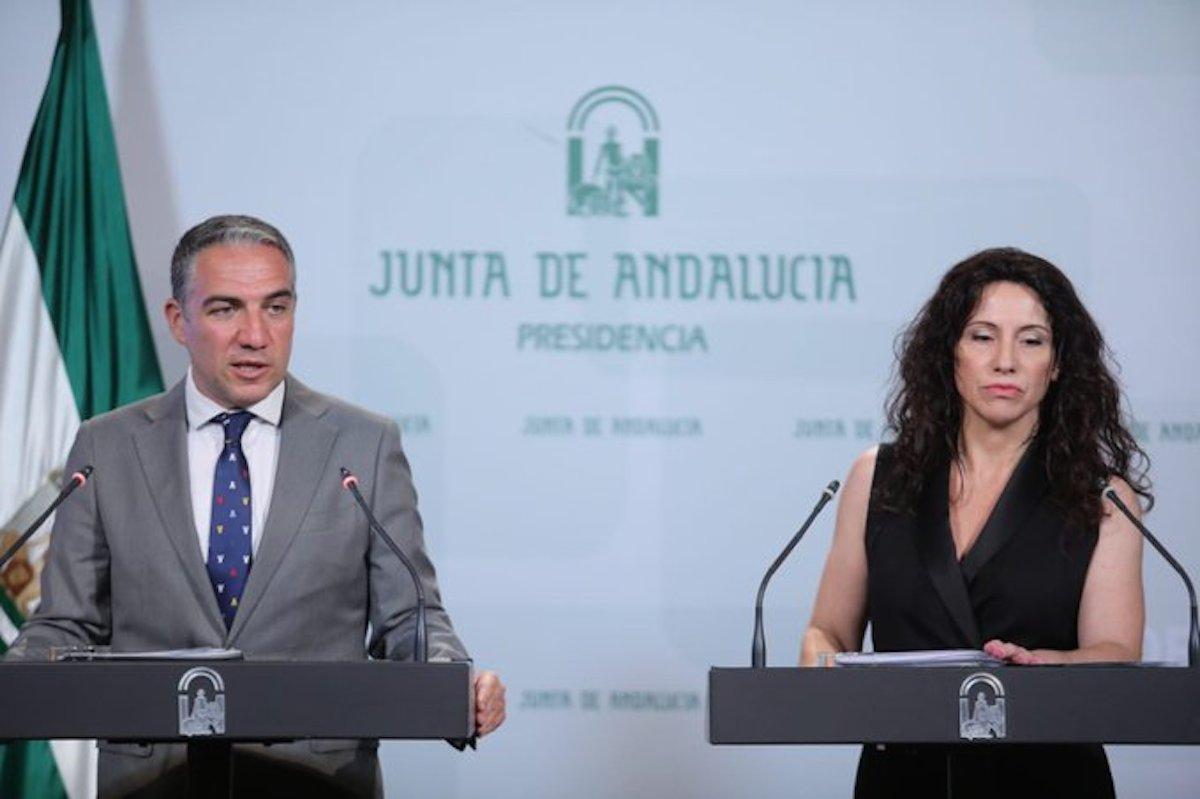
[{"x": 1004, "y": 360}]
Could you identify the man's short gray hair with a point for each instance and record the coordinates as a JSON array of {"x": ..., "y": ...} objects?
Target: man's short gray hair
[{"x": 224, "y": 229}]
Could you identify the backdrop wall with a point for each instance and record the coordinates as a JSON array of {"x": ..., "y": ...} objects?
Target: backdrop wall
[{"x": 629, "y": 275}]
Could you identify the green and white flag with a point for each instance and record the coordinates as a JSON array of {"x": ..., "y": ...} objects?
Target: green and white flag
[{"x": 74, "y": 342}]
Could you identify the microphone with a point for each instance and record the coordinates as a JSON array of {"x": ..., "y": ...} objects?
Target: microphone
[
  {"x": 77, "y": 480},
  {"x": 1110, "y": 494},
  {"x": 758, "y": 650},
  {"x": 420, "y": 644}
]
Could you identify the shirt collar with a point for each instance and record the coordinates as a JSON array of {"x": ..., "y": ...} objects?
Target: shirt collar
[{"x": 201, "y": 409}]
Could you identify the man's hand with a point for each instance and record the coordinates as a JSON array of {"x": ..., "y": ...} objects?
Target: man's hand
[{"x": 489, "y": 702}]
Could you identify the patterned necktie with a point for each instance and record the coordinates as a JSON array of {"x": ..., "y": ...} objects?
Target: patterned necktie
[{"x": 229, "y": 526}]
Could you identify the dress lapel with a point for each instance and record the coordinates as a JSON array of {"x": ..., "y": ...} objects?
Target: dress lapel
[
  {"x": 305, "y": 442},
  {"x": 161, "y": 446},
  {"x": 1020, "y": 498},
  {"x": 931, "y": 531}
]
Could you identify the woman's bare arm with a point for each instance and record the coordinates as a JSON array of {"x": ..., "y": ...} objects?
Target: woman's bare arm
[
  {"x": 1111, "y": 611},
  {"x": 840, "y": 612}
]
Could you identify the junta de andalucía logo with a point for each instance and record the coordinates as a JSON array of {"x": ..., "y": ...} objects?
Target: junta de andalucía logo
[{"x": 612, "y": 154}]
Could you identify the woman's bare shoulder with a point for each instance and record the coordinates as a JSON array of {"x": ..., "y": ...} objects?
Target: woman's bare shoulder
[
  {"x": 857, "y": 491},
  {"x": 863, "y": 469}
]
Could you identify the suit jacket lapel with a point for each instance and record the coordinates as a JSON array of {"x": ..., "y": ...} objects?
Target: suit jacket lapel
[
  {"x": 161, "y": 447},
  {"x": 1019, "y": 499},
  {"x": 304, "y": 446},
  {"x": 931, "y": 531}
]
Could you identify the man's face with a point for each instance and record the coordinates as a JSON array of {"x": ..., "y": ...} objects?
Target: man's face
[{"x": 236, "y": 321}]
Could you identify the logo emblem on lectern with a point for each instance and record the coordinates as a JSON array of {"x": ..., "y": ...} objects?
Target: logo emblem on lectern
[
  {"x": 981, "y": 711},
  {"x": 201, "y": 702}
]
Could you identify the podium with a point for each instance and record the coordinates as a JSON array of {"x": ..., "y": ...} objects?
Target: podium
[
  {"x": 1119, "y": 704},
  {"x": 210, "y": 705}
]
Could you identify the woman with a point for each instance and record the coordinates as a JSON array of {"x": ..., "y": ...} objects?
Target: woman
[{"x": 981, "y": 526}]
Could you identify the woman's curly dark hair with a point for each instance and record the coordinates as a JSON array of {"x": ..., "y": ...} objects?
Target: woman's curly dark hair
[{"x": 1080, "y": 432}]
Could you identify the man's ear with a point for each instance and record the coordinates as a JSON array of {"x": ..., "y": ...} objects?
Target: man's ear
[{"x": 173, "y": 310}]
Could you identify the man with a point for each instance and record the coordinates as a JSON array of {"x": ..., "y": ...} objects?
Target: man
[{"x": 216, "y": 517}]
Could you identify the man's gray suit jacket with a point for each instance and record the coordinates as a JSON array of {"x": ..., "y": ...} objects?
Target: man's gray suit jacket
[{"x": 124, "y": 568}]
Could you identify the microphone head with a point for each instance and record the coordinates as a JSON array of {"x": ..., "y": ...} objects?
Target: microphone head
[
  {"x": 1107, "y": 491},
  {"x": 348, "y": 478},
  {"x": 831, "y": 489},
  {"x": 81, "y": 477}
]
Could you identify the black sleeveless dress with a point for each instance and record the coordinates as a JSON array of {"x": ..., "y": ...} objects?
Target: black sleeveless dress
[{"x": 1021, "y": 581}]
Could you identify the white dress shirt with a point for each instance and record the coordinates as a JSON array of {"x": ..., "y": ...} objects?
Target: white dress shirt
[{"x": 206, "y": 439}]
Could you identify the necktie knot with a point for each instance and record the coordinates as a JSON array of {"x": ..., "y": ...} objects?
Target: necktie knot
[{"x": 234, "y": 423}]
